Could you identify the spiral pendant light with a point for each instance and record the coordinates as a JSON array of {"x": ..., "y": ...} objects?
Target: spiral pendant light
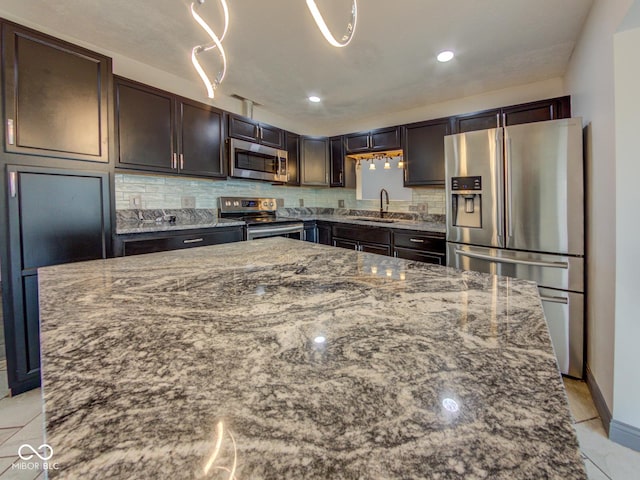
[
  {"x": 322, "y": 25},
  {"x": 216, "y": 42}
]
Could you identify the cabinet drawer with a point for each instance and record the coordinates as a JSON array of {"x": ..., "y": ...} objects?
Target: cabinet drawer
[
  {"x": 363, "y": 234},
  {"x": 420, "y": 241},
  {"x": 176, "y": 242},
  {"x": 419, "y": 256}
]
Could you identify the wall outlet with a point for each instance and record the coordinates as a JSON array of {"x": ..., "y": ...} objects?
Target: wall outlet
[
  {"x": 340, "y": 203},
  {"x": 188, "y": 202},
  {"x": 422, "y": 207},
  {"x": 301, "y": 202},
  {"x": 135, "y": 201},
  {"x": 280, "y": 202},
  {"x": 413, "y": 208}
]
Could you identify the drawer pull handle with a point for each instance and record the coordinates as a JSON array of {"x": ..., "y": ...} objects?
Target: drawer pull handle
[
  {"x": 195, "y": 240},
  {"x": 416, "y": 240}
]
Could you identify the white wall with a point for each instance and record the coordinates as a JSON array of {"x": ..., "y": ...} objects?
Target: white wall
[
  {"x": 626, "y": 396},
  {"x": 497, "y": 98},
  {"x": 590, "y": 82}
]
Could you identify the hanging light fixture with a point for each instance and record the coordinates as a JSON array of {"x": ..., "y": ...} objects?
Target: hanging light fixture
[
  {"x": 351, "y": 26},
  {"x": 400, "y": 163},
  {"x": 372, "y": 165},
  {"x": 216, "y": 43},
  {"x": 387, "y": 165}
]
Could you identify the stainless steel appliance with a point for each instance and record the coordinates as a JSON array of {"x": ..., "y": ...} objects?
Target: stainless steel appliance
[
  {"x": 260, "y": 216},
  {"x": 515, "y": 207},
  {"x": 257, "y": 162}
]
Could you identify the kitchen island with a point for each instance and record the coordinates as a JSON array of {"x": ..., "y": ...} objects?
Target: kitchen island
[{"x": 283, "y": 359}]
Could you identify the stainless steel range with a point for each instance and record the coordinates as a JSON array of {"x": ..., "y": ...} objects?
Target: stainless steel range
[{"x": 260, "y": 216}]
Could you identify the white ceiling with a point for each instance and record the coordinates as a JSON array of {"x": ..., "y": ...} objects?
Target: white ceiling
[{"x": 277, "y": 56}]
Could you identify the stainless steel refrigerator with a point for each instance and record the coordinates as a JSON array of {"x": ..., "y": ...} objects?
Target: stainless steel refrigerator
[{"x": 515, "y": 207}]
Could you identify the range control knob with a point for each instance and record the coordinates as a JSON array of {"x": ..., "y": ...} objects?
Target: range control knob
[
  {"x": 236, "y": 203},
  {"x": 265, "y": 203},
  {"x": 271, "y": 204},
  {"x": 227, "y": 203}
]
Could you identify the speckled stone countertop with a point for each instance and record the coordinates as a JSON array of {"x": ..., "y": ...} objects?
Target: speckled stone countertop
[
  {"x": 144, "y": 221},
  {"x": 151, "y": 226},
  {"x": 280, "y": 359},
  {"x": 400, "y": 223}
]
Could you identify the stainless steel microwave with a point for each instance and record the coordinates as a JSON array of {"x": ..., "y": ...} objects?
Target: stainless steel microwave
[{"x": 258, "y": 162}]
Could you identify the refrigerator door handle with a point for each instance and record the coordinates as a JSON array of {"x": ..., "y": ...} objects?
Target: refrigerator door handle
[
  {"x": 481, "y": 256},
  {"x": 546, "y": 298},
  {"x": 500, "y": 199},
  {"x": 509, "y": 187}
]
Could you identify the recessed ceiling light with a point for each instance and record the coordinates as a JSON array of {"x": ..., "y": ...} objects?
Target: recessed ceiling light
[
  {"x": 445, "y": 56},
  {"x": 314, "y": 99}
]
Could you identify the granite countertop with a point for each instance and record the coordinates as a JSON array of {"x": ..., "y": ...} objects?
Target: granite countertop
[
  {"x": 284, "y": 359},
  {"x": 400, "y": 223},
  {"x": 124, "y": 228}
]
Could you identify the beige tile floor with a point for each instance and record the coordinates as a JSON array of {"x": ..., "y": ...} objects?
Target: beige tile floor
[{"x": 21, "y": 421}]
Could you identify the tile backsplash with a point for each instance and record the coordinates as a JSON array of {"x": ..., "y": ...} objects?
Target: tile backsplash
[{"x": 157, "y": 192}]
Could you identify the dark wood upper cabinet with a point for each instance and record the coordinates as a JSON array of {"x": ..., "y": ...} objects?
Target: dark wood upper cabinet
[
  {"x": 56, "y": 97},
  {"x": 551, "y": 109},
  {"x": 336, "y": 152},
  {"x": 161, "y": 132},
  {"x": 424, "y": 152},
  {"x": 251, "y": 130},
  {"x": 201, "y": 140},
  {"x": 540, "y": 111},
  {"x": 145, "y": 127},
  {"x": 293, "y": 158},
  {"x": 477, "y": 121},
  {"x": 343, "y": 168},
  {"x": 314, "y": 161},
  {"x": 381, "y": 139}
]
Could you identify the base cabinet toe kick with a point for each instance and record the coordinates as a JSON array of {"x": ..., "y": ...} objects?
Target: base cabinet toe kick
[{"x": 560, "y": 280}]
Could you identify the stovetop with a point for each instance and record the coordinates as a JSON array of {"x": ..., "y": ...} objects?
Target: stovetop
[{"x": 252, "y": 210}]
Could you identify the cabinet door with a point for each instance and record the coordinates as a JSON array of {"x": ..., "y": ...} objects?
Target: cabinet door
[
  {"x": 385, "y": 139},
  {"x": 55, "y": 217},
  {"x": 357, "y": 142},
  {"x": 424, "y": 152},
  {"x": 243, "y": 128},
  {"x": 293, "y": 158},
  {"x": 56, "y": 97},
  {"x": 478, "y": 121},
  {"x": 145, "y": 123},
  {"x": 324, "y": 234},
  {"x": 271, "y": 136},
  {"x": 336, "y": 145},
  {"x": 377, "y": 249},
  {"x": 201, "y": 140},
  {"x": 551, "y": 109},
  {"x": 314, "y": 161}
]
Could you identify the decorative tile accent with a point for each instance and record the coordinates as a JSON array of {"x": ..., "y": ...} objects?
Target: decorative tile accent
[{"x": 159, "y": 192}]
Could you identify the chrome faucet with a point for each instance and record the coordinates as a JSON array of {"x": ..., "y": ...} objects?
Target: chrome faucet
[{"x": 382, "y": 211}]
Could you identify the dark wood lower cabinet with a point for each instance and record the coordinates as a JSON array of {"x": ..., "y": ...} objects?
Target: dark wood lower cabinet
[
  {"x": 419, "y": 256},
  {"x": 324, "y": 233},
  {"x": 378, "y": 249},
  {"x": 136, "y": 244},
  {"x": 348, "y": 244}
]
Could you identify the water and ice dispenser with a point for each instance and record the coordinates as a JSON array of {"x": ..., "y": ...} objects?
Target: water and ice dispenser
[{"x": 466, "y": 201}]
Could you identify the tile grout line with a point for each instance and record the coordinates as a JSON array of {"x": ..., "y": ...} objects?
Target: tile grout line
[
  {"x": 9, "y": 467},
  {"x": 587, "y": 420},
  {"x": 597, "y": 466}
]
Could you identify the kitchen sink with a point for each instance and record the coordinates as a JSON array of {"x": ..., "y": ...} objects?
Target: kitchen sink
[{"x": 377, "y": 220}]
